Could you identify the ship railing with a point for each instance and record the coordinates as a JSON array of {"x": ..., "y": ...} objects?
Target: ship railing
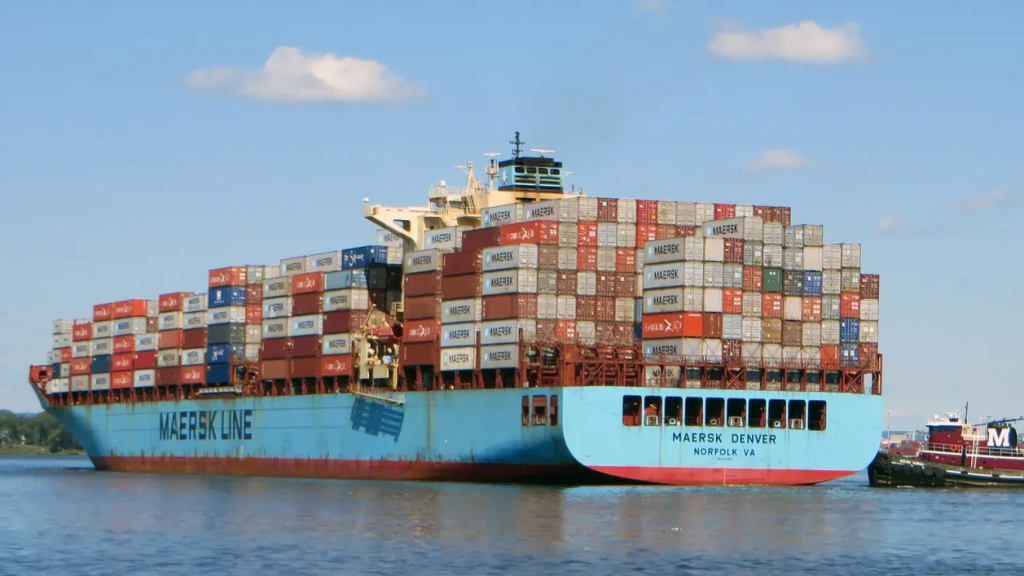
[{"x": 972, "y": 450}]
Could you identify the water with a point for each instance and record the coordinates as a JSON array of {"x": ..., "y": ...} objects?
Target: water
[{"x": 58, "y": 516}]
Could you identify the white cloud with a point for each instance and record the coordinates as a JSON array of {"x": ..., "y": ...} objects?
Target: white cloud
[
  {"x": 778, "y": 159},
  {"x": 890, "y": 224},
  {"x": 650, "y": 5},
  {"x": 985, "y": 201},
  {"x": 293, "y": 77},
  {"x": 805, "y": 43}
]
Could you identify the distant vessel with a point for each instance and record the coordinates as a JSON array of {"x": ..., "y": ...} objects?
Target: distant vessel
[{"x": 509, "y": 331}]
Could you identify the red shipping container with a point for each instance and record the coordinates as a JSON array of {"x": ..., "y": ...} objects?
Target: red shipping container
[
  {"x": 121, "y": 380},
  {"x": 662, "y": 325},
  {"x": 607, "y": 209},
  {"x": 586, "y": 308},
  {"x": 604, "y": 309},
  {"x": 625, "y": 334},
  {"x": 101, "y": 312},
  {"x": 534, "y": 232},
  {"x": 732, "y": 301},
  {"x": 606, "y": 283},
  {"x": 625, "y": 285},
  {"x": 254, "y": 294},
  {"x": 145, "y": 360},
  {"x": 307, "y": 283},
  {"x": 625, "y": 260},
  {"x": 464, "y": 262},
  {"x": 195, "y": 338},
  {"x": 507, "y": 306},
  {"x": 565, "y": 331},
  {"x": 274, "y": 369},
  {"x": 723, "y": 211},
  {"x": 566, "y": 284},
  {"x": 421, "y": 307},
  {"x": 712, "y": 325},
  {"x": 830, "y": 356},
  {"x": 811, "y": 309},
  {"x": 648, "y": 233},
  {"x": 546, "y": 332},
  {"x": 65, "y": 355},
  {"x": 129, "y": 309},
  {"x": 734, "y": 251},
  {"x": 229, "y": 276},
  {"x": 121, "y": 362},
  {"x": 168, "y": 376},
  {"x": 275, "y": 348},
  {"x": 304, "y": 368},
  {"x": 732, "y": 350},
  {"x": 586, "y": 259},
  {"x": 254, "y": 313},
  {"x": 684, "y": 231},
  {"x": 753, "y": 278},
  {"x": 80, "y": 366},
  {"x": 869, "y": 285},
  {"x": 420, "y": 354},
  {"x": 869, "y": 356},
  {"x": 348, "y": 320},
  {"x": 122, "y": 344},
  {"x": 421, "y": 330},
  {"x": 193, "y": 374},
  {"x": 459, "y": 287},
  {"x": 586, "y": 234},
  {"x": 169, "y": 339},
  {"x": 604, "y": 334},
  {"x": 172, "y": 302},
  {"x": 480, "y": 238},
  {"x": 647, "y": 211},
  {"x": 308, "y": 303},
  {"x": 307, "y": 346},
  {"x": 771, "y": 305},
  {"x": 693, "y": 325},
  {"x": 337, "y": 365},
  {"x": 664, "y": 232},
  {"x": 423, "y": 284},
  {"x": 849, "y": 305},
  {"x": 81, "y": 332}
]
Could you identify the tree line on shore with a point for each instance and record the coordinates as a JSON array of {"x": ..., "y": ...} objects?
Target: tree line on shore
[{"x": 38, "y": 430}]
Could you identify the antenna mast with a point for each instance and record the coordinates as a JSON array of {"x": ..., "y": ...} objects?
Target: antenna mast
[
  {"x": 492, "y": 170},
  {"x": 519, "y": 146}
]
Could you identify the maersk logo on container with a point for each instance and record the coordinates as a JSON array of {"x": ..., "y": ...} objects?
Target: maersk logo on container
[
  {"x": 275, "y": 327},
  {"x": 498, "y": 356},
  {"x": 457, "y": 334},
  {"x": 194, "y": 322},
  {"x": 459, "y": 358},
  {"x": 500, "y": 331},
  {"x": 460, "y": 310},
  {"x": 665, "y": 274},
  {"x": 294, "y": 267},
  {"x": 192, "y": 357},
  {"x": 660, "y": 300},
  {"x": 501, "y": 256},
  {"x": 338, "y": 343},
  {"x": 541, "y": 212},
  {"x": 144, "y": 341},
  {"x": 496, "y": 217},
  {"x": 663, "y": 350},
  {"x": 424, "y": 260},
  {"x": 731, "y": 228},
  {"x": 338, "y": 301},
  {"x": 503, "y": 281}
]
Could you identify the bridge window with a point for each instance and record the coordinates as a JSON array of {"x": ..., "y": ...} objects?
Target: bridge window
[
  {"x": 519, "y": 170},
  {"x": 542, "y": 170},
  {"x": 531, "y": 170},
  {"x": 652, "y": 411},
  {"x": 736, "y": 410},
  {"x": 797, "y": 414},
  {"x": 630, "y": 410},
  {"x": 777, "y": 413},
  {"x": 673, "y": 411},
  {"x": 694, "y": 410},
  {"x": 756, "y": 418},
  {"x": 526, "y": 410},
  {"x": 540, "y": 410},
  {"x": 553, "y": 418},
  {"x": 555, "y": 171},
  {"x": 816, "y": 415},
  {"x": 715, "y": 412}
]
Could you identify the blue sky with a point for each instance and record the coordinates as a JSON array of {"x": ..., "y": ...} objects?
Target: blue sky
[{"x": 143, "y": 143}]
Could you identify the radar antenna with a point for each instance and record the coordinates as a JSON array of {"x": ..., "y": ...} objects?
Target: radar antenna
[
  {"x": 541, "y": 151},
  {"x": 519, "y": 146}
]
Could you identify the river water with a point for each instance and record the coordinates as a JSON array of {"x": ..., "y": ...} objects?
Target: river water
[{"x": 60, "y": 517}]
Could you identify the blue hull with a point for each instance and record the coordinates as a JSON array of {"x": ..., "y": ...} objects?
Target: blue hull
[{"x": 572, "y": 435}]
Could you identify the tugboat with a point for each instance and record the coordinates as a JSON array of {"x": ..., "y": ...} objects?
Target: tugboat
[{"x": 957, "y": 454}]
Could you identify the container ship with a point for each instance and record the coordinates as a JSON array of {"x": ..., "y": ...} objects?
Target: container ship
[{"x": 508, "y": 331}]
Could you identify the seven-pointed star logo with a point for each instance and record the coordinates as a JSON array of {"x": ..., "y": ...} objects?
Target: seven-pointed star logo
[{"x": 504, "y": 176}]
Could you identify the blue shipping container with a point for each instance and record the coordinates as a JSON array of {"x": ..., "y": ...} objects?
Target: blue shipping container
[
  {"x": 55, "y": 370},
  {"x": 812, "y": 283},
  {"x": 101, "y": 364},
  {"x": 849, "y": 330},
  {"x": 345, "y": 279},
  {"x": 223, "y": 353},
  {"x": 218, "y": 374},
  {"x": 849, "y": 354},
  {"x": 363, "y": 256},
  {"x": 220, "y": 297}
]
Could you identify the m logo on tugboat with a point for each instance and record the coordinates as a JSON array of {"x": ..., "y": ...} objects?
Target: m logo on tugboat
[{"x": 1002, "y": 437}]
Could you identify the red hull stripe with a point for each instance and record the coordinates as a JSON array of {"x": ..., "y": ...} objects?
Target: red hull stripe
[
  {"x": 721, "y": 476},
  {"x": 353, "y": 469}
]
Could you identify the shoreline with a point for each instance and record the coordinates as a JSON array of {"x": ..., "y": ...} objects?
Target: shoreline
[{"x": 30, "y": 450}]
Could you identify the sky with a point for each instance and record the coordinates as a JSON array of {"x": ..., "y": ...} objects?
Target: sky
[{"x": 144, "y": 143}]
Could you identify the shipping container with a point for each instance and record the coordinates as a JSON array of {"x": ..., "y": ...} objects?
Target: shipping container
[
  {"x": 127, "y": 326},
  {"x": 134, "y": 309},
  {"x": 453, "y": 359},
  {"x": 423, "y": 284},
  {"x": 510, "y": 257},
  {"x": 772, "y": 280},
  {"x": 229, "y": 276},
  {"x": 226, "y": 315},
  {"x": 849, "y": 305},
  {"x": 234, "y": 334},
  {"x": 771, "y": 305},
  {"x": 849, "y": 280},
  {"x": 101, "y": 312},
  {"x": 193, "y": 357},
  {"x": 849, "y": 330},
  {"x": 732, "y": 326},
  {"x": 465, "y": 286},
  {"x": 521, "y": 281},
  {"x": 586, "y": 234},
  {"x": 607, "y": 234},
  {"x": 323, "y": 262},
  {"x": 606, "y": 260},
  {"x": 276, "y": 328},
  {"x": 869, "y": 309},
  {"x": 102, "y": 347},
  {"x": 664, "y": 300},
  {"x": 480, "y": 238},
  {"x": 99, "y": 382},
  {"x": 461, "y": 310},
  {"x": 850, "y": 255},
  {"x": 667, "y": 349},
  {"x": 81, "y": 332},
  {"x": 536, "y": 232},
  {"x": 811, "y": 309},
  {"x": 663, "y": 275},
  {"x": 499, "y": 356},
  {"x": 869, "y": 286},
  {"x": 714, "y": 275},
  {"x": 500, "y": 215},
  {"x": 792, "y": 283},
  {"x": 354, "y": 299},
  {"x": 507, "y": 331},
  {"x": 792, "y": 308},
  {"x": 144, "y": 342}
]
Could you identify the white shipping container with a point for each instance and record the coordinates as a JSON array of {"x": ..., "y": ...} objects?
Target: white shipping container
[
  {"x": 253, "y": 333},
  {"x": 351, "y": 299},
  {"x": 324, "y": 262},
  {"x": 772, "y": 352},
  {"x": 196, "y": 303},
  {"x": 443, "y": 239},
  {"x": 193, "y": 320},
  {"x": 752, "y": 351},
  {"x": 813, "y": 258},
  {"x": 792, "y": 308},
  {"x": 732, "y": 276},
  {"x": 869, "y": 309},
  {"x": 509, "y": 257},
  {"x": 750, "y": 330},
  {"x": 501, "y": 215},
  {"x": 277, "y": 307},
  {"x": 714, "y": 275},
  {"x": 732, "y": 327},
  {"x": 869, "y": 332},
  {"x": 145, "y": 378},
  {"x": 625, "y": 309},
  {"x": 277, "y": 287},
  {"x": 773, "y": 256},
  {"x": 79, "y": 350},
  {"x": 705, "y": 212},
  {"x": 752, "y": 302},
  {"x": 741, "y": 228},
  {"x": 744, "y": 211},
  {"x": 667, "y": 348},
  {"x": 830, "y": 307},
  {"x": 455, "y": 335},
  {"x": 662, "y": 301},
  {"x": 586, "y": 332},
  {"x": 547, "y": 282},
  {"x": 812, "y": 334},
  {"x": 586, "y": 283},
  {"x": 145, "y": 342},
  {"x": 665, "y": 376},
  {"x": 666, "y": 212},
  {"x": 693, "y": 299},
  {"x": 625, "y": 235},
  {"x": 832, "y": 257},
  {"x": 850, "y": 255},
  {"x": 793, "y": 237},
  {"x": 830, "y": 332},
  {"x": 793, "y": 259},
  {"x": 464, "y": 310},
  {"x": 813, "y": 234},
  {"x": 63, "y": 326},
  {"x": 712, "y": 348},
  {"x": 773, "y": 233},
  {"x": 712, "y": 299},
  {"x": 521, "y": 281},
  {"x": 276, "y": 328},
  {"x": 64, "y": 340},
  {"x": 458, "y": 359},
  {"x": 499, "y": 356},
  {"x": 101, "y": 347},
  {"x": 550, "y": 210},
  {"x": 831, "y": 282},
  {"x": 566, "y": 308},
  {"x": 100, "y": 382},
  {"x": 714, "y": 250},
  {"x": 507, "y": 331},
  {"x": 293, "y": 266},
  {"x": 606, "y": 260},
  {"x": 65, "y": 370},
  {"x": 168, "y": 358},
  {"x": 693, "y": 274},
  {"x": 791, "y": 353},
  {"x": 547, "y": 307},
  {"x": 662, "y": 251},
  {"x": 169, "y": 321},
  {"x": 193, "y": 357},
  {"x": 693, "y": 347},
  {"x": 693, "y": 248},
  {"x": 587, "y": 207},
  {"x": 225, "y": 315},
  {"x": 568, "y": 259},
  {"x": 686, "y": 213},
  {"x": 627, "y": 211},
  {"x": 252, "y": 352},
  {"x": 129, "y": 326},
  {"x": 753, "y": 254},
  {"x": 423, "y": 261},
  {"x": 80, "y": 383},
  {"x": 568, "y": 235},
  {"x": 310, "y": 325},
  {"x": 665, "y": 275},
  {"x": 849, "y": 280},
  {"x": 606, "y": 234}
]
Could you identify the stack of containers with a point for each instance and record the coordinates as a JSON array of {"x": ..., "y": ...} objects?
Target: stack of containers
[
  {"x": 422, "y": 307},
  {"x": 461, "y": 291},
  {"x": 64, "y": 332},
  {"x": 192, "y": 359},
  {"x": 170, "y": 325},
  {"x": 92, "y": 370},
  {"x": 510, "y": 303},
  {"x": 233, "y": 319},
  {"x": 131, "y": 362}
]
